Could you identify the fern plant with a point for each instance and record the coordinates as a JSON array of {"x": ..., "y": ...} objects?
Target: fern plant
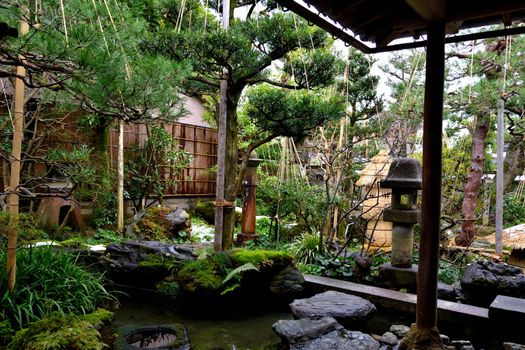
[{"x": 236, "y": 275}]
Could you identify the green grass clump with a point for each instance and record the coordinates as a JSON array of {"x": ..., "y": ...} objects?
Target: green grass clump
[
  {"x": 260, "y": 257},
  {"x": 49, "y": 282},
  {"x": 61, "y": 332},
  {"x": 305, "y": 248}
]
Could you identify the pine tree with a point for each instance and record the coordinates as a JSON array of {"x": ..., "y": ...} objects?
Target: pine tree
[{"x": 249, "y": 53}]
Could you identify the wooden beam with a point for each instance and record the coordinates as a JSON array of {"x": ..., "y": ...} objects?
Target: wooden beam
[
  {"x": 324, "y": 24},
  {"x": 452, "y": 39},
  {"x": 429, "y": 10}
]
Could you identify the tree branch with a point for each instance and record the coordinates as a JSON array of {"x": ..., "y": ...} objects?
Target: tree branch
[
  {"x": 205, "y": 81},
  {"x": 274, "y": 83}
]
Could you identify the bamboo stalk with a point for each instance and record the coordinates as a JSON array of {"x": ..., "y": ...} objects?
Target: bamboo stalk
[
  {"x": 120, "y": 177},
  {"x": 499, "y": 179},
  {"x": 13, "y": 200}
]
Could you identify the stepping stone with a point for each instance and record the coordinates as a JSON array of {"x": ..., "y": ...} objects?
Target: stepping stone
[
  {"x": 297, "y": 331},
  {"x": 345, "y": 308}
]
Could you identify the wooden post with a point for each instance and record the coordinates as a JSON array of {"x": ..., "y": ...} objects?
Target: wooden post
[
  {"x": 432, "y": 163},
  {"x": 499, "y": 181},
  {"x": 221, "y": 149},
  {"x": 16, "y": 153},
  {"x": 120, "y": 177}
]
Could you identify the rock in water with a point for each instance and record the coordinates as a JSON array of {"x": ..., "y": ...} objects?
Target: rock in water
[
  {"x": 345, "y": 308},
  {"x": 400, "y": 330},
  {"x": 462, "y": 345},
  {"x": 389, "y": 338},
  {"x": 340, "y": 340},
  {"x": 299, "y": 331},
  {"x": 513, "y": 346},
  {"x": 484, "y": 280},
  {"x": 322, "y": 334}
]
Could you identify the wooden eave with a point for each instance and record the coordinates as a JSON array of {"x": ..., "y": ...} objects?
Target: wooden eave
[{"x": 372, "y": 25}]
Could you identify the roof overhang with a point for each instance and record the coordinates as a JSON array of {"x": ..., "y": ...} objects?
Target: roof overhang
[{"x": 373, "y": 26}]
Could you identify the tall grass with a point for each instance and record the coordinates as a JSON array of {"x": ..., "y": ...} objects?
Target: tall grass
[
  {"x": 48, "y": 282},
  {"x": 305, "y": 248}
]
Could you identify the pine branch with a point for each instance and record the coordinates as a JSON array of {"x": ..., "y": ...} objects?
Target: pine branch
[{"x": 275, "y": 83}]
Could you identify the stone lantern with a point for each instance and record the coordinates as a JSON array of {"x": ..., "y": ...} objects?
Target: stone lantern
[
  {"x": 404, "y": 179},
  {"x": 249, "y": 186}
]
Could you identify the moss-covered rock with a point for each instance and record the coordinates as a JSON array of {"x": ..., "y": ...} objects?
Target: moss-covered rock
[
  {"x": 415, "y": 339},
  {"x": 252, "y": 271},
  {"x": 261, "y": 257},
  {"x": 206, "y": 211},
  {"x": 75, "y": 243},
  {"x": 61, "y": 332},
  {"x": 203, "y": 274},
  {"x": 158, "y": 224}
]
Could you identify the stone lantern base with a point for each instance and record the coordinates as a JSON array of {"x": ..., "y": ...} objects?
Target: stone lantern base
[{"x": 398, "y": 277}]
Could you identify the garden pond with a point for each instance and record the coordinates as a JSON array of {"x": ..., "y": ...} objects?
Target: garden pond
[{"x": 241, "y": 327}]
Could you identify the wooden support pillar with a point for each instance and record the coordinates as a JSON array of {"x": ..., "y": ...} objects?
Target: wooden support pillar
[
  {"x": 221, "y": 147},
  {"x": 432, "y": 163}
]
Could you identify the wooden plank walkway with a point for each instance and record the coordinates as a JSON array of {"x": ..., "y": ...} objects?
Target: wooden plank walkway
[{"x": 390, "y": 299}]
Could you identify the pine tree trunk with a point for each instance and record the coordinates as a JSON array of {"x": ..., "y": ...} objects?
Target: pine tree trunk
[
  {"x": 514, "y": 161},
  {"x": 470, "y": 194}
]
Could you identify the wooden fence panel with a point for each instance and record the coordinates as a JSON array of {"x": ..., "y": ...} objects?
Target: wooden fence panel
[{"x": 200, "y": 142}]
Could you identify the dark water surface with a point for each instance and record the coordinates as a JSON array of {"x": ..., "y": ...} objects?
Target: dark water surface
[{"x": 237, "y": 328}]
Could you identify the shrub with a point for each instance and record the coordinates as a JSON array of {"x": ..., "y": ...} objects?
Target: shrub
[
  {"x": 28, "y": 225},
  {"x": 295, "y": 198},
  {"x": 49, "y": 282},
  {"x": 305, "y": 248},
  {"x": 59, "y": 331},
  {"x": 105, "y": 206},
  {"x": 514, "y": 213},
  {"x": 106, "y": 236},
  {"x": 6, "y": 332}
]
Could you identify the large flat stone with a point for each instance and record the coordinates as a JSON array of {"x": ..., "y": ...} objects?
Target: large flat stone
[
  {"x": 505, "y": 308},
  {"x": 297, "y": 331},
  {"x": 345, "y": 308}
]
